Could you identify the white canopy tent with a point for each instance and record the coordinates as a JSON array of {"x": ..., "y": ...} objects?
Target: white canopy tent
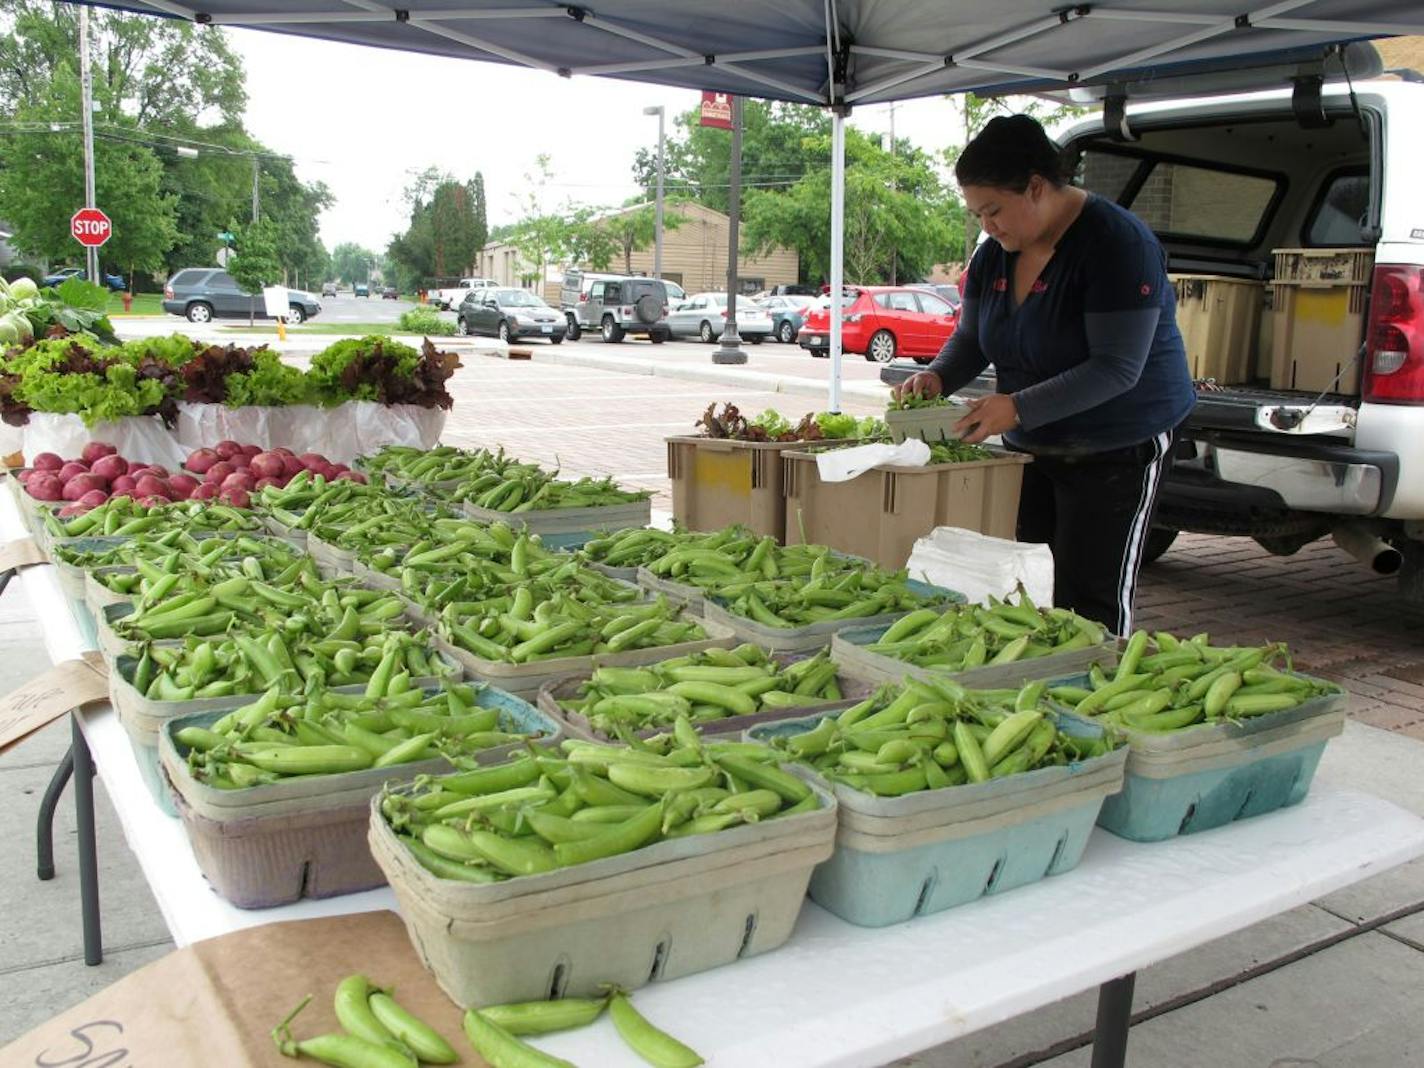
[{"x": 839, "y": 53}]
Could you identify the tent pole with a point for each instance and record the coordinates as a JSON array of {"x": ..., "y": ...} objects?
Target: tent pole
[{"x": 837, "y": 249}]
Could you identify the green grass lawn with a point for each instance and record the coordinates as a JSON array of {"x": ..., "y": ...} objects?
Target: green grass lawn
[{"x": 143, "y": 304}]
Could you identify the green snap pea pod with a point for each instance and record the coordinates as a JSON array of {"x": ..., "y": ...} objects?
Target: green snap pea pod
[
  {"x": 970, "y": 753},
  {"x": 1009, "y": 734},
  {"x": 1099, "y": 697},
  {"x": 446, "y": 868},
  {"x": 1260, "y": 704},
  {"x": 493, "y": 779},
  {"x": 198, "y": 738},
  {"x": 607, "y": 813},
  {"x": 353, "y": 1011},
  {"x": 411, "y": 749},
  {"x": 713, "y": 693},
  {"x": 614, "y": 840},
  {"x": 598, "y": 791},
  {"x": 513, "y": 856},
  {"x": 490, "y": 802},
  {"x": 1170, "y": 720},
  {"x": 450, "y": 842},
  {"x": 764, "y": 776},
  {"x": 347, "y": 1051},
  {"x": 501, "y": 1049},
  {"x": 757, "y": 802},
  {"x": 545, "y": 1017},
  {"x": 655, "y": 1046},
  {"x": 651, "y": 781},
  {"x": 708, "y": 824},
  {"x": 1131, "y": 655},
  {"x": 556, "y": 829},
  {"x": 1219, "y": 694},
  {"x": 418, "y": 1036},
  {"x": 1148, "y": 703},
  {"x": 1012, "y": 764},
  {"x": 307, "y": 759}
]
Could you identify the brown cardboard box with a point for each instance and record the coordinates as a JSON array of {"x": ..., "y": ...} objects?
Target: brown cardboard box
[
  {"x": 880, "y": 514},
  {"x": 1219, "y": 319},
  {"x": 215, "y": 1002},
  {"x": 717, "y": 482}
]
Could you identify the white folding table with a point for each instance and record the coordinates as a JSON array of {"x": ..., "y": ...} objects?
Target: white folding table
[{"x": 835, "y": 994}]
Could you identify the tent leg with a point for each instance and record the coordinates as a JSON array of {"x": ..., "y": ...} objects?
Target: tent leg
[{"x": 837, "y": 250}]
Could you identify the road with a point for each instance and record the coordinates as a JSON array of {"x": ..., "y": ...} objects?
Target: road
[{"x": 344, "y": 308}]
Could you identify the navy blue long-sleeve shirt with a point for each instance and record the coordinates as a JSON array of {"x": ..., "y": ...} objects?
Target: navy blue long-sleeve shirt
[{"x": 1092, "y": 354}]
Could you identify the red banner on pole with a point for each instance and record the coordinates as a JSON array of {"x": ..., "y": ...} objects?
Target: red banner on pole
[{"x": 716, "y": 110}]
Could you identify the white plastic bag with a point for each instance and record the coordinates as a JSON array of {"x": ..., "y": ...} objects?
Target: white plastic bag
[
  {"x": 977, "y": 565},
  {"x": 141, "y": 437},
  {"x": 841, "y": 465},
  {"x": 340, "y": 434},
  {"x": 201, "y": 426}
]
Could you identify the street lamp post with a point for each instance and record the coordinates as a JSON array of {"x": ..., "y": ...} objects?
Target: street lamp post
[
  {"x": 730, "y": 350},
  {"x": 87, "y": 103},
  {"x": 658, "y": 210}
]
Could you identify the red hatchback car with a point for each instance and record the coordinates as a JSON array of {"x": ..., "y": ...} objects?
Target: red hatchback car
[{"x": 883, "y": 322}]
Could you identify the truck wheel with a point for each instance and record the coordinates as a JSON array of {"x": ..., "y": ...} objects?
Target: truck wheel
[
  {"x": 1159, "y": 540},
  {"x": 574, "y": 332},
  {"x": 612, "y": 332}
]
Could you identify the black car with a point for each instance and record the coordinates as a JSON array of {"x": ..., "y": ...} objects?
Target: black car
[
  {"x": 389, "y": 293},
  {"x": 509, "y": 314},
  {"x": 202, "y": 294},
  {"x": 64, "y": 274}
]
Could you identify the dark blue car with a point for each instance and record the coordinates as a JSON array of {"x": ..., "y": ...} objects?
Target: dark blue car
[{"x": 64, "y": 274}]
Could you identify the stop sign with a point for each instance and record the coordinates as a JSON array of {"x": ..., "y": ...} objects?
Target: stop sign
[{"x": 90, "y": 227}]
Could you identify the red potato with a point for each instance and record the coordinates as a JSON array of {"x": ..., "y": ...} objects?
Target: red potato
[
  {"x": 45, "y": 486},
  {"x": 182, "y": 486},
  {"x": 238, "y": 480},
  {"x": 72, "y": 468},
  {"x": 313, "y": 461},
  {"x": 263, "y": 483},
  {"x": 267, "y": 465},
  {"x": 124, "y": 484},
  {"x": 218, "y": 472},
  {"x": 93, "y": 498},
  {"x": 241, "y": 461},
  {"x": 24, "y": 474},
  {"x": 97, "y": 449},
  {"x": 199, "y": 461},
  {"x": 226, "y": 450},
  {"x": 47, "y": 461},
  {"x": 74, "y": 508},
  {"x": 238, "y": 498},
  {"x": 157, "y": 471},
  {"x": 207, "y": 491},
  {"x": 79, "y": 485},
  {"x": 351, "y": 476},
  {"x": 251, "y": 450},
  {"x": 291, "y": 465},
  {"x": 154, "y": 501},
  {"x": 282, "y": 450},
  {"x": 151, "y": 486},
  {"x": 110, "y": 466}
]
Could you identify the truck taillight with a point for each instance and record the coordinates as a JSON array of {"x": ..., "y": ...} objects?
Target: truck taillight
[{"x": 1394, "y": 345}]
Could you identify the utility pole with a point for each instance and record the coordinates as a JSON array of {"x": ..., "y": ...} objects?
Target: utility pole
[
  {"x": 86, "y": 95},
  {"x": 730, "y": 350},
  {"x": 256, "y": 174},
  {"x": 658, "y": 210},
  {"x": 894, "y": 252}
]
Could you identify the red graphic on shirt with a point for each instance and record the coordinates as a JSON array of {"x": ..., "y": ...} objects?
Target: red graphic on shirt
[
  {"x": 1001, "y": 285},
  {"x": 1145, "y": 290},
  {"x": 1039, "y": 286}
]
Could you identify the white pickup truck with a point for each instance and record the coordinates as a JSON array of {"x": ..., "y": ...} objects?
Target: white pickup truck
[
  {"x": 1225, "y": 181},
  {"x": 453, "y": 296}
]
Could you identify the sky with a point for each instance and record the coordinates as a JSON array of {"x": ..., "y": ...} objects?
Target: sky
[{"x": 362, "y": 120}]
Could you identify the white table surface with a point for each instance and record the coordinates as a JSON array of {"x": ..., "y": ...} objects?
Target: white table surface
[{"x": 839, "y": 995}]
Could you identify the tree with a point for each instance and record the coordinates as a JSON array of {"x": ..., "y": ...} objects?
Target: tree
[
  {"x": 896, "y": 206},
  {"x": 256, "y": 263},
  {"x": 635, "y": 227},
  {"x": 453, "y": 230},
  {"x": 778, "y": 149},
  {"x": 351, "y": 263},
  {"x": 479, "y": 209},
  {"x": 42, "y": 184}
]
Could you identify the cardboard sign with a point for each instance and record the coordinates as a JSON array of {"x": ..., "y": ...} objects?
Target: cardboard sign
[
  {"x": 716, "y": 110},
  {"x": 69, "y": 684},
  {"x": 274, "y": 300},
  {"x": 216, "y": 1002},
  {"x": 23, "y": 552}
]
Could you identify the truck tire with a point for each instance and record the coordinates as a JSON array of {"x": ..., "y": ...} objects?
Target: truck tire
[
  {"x": 574, "y": 331},
  {"x": 612, "y": 332},
  {"x": 1159, "y": 540}
]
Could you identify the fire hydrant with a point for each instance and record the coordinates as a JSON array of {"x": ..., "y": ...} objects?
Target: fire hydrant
[{"x": 127, "y": 298}]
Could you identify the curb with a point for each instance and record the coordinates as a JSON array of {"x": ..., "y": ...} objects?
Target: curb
[{"x": 712, "y": 373}]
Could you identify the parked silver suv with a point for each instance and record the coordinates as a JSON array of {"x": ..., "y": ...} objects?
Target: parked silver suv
[{"x": 616, "y": 307}]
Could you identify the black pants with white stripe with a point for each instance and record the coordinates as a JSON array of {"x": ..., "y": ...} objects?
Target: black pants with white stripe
[{"x": 1094, "y": 512}]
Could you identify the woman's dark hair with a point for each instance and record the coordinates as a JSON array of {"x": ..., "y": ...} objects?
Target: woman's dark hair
[{"x": 1008, "y": 152}]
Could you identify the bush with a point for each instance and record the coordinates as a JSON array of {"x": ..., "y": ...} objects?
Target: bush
[
  {"x": 425, "y": 321},
  {"x": 23, "y": 270}
]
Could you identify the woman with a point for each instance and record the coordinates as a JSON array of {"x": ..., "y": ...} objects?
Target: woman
[{"x": 1071, "y": 304}]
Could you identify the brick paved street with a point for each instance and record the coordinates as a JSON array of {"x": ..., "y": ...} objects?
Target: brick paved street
[{"x": 1341, "y": 620}]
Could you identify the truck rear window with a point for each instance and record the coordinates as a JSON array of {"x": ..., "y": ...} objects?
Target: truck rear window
[
  {"x": 1338, "y": 218},
  {"x": 1189, "y": 201}
]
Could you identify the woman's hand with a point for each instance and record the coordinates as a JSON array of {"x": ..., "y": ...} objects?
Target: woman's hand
[
  {"x": 987, "y": 416},
  {"x": 925, "y": 384}
]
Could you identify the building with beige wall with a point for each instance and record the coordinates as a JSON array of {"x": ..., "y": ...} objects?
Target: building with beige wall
[{"x": 694, "y": 256}]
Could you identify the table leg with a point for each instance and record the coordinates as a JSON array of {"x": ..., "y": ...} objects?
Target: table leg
[
  {"x": 88, "y": 859},
  {"x": 44, "y": 829},
  {"x": 1114, "y": 1018}
]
